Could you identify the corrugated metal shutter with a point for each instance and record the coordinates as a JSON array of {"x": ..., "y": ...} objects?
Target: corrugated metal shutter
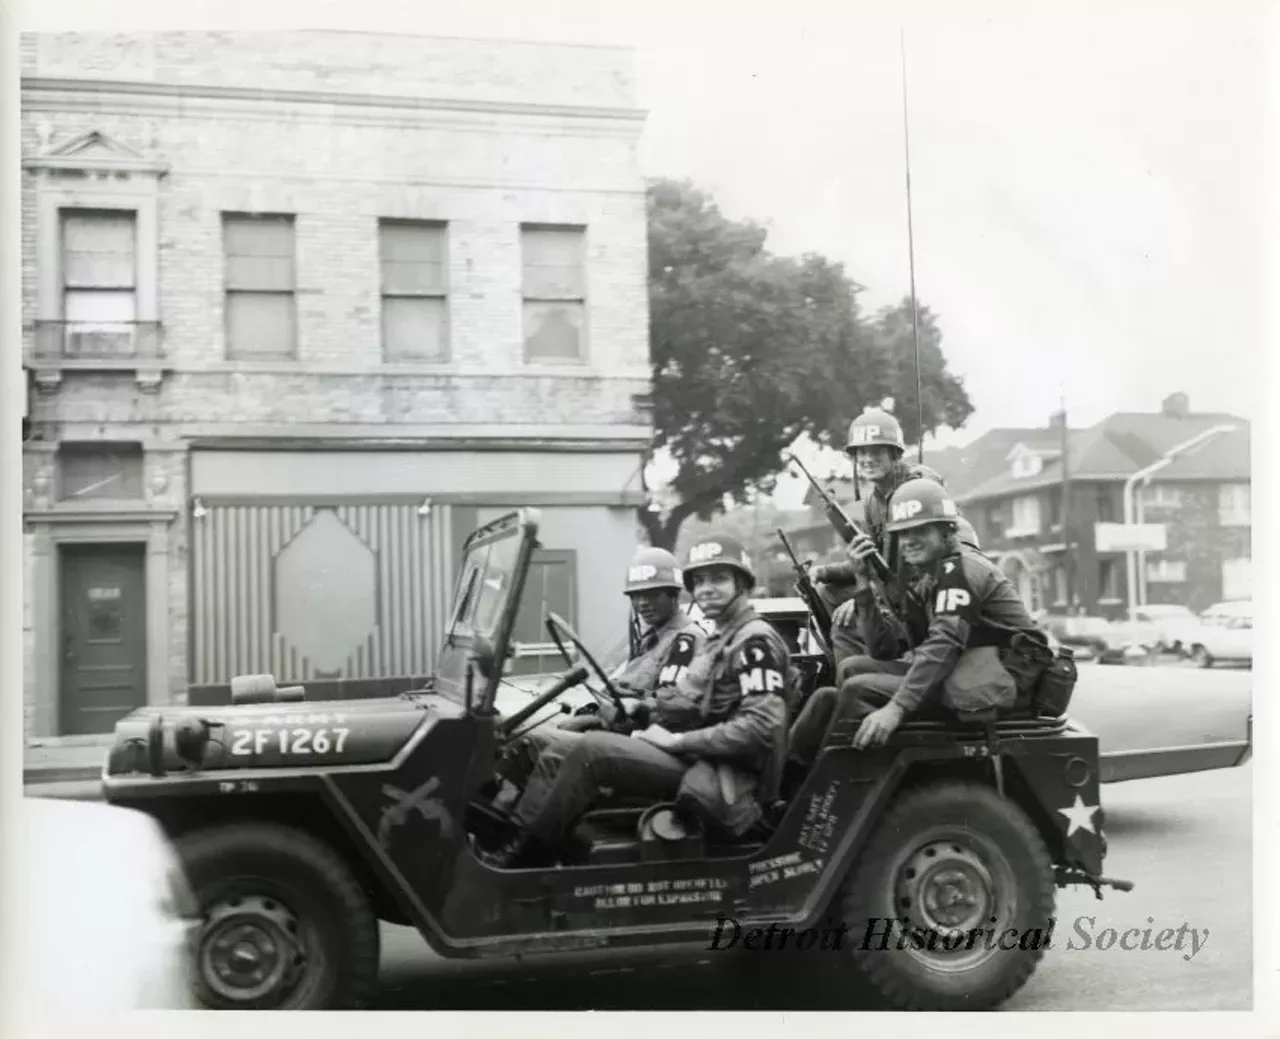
[{"x": 237, "y": 600}]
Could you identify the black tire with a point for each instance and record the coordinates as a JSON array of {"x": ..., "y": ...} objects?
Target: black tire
[
  {"x": 288, "y": 892},
  {"x": 968, "y": 828},
  {"x": 1200, "y": 656}
]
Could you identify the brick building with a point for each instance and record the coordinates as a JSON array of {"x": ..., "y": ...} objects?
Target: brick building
[
  {"x": 1009, "y": 484},
  {"x": 299, "y": 311}
]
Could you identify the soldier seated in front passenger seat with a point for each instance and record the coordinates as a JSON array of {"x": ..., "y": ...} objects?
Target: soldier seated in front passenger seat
[{"x": 720, "y": 737}]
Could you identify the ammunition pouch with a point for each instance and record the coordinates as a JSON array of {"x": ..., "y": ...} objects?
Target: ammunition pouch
[
  {"x": 1056, "y": 685},
  {"x": 1026, "y": 658}
]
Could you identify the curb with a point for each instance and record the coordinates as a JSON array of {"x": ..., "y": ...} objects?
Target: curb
[{"x": 65, "y": 774}]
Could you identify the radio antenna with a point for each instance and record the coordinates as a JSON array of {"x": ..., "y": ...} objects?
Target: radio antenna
[{"x": 911, "y": 249}]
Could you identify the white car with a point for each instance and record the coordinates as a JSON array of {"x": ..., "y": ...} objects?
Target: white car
[
  {"x": 1160, "y": 622},
  {"x": 1221, "y": 634},
  {"x": 103, "y": 913}
]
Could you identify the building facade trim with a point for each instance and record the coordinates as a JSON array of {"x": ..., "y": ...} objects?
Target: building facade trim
[{"x": 51, "y": 532}]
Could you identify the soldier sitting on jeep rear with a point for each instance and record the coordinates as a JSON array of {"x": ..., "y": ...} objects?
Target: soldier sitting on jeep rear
[
  {"x": 973, "y": 612},
  {"x": 717, "y": 745}
]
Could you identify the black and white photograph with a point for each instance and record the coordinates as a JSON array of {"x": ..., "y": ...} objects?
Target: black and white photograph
[{"x": 688, "y": 509}]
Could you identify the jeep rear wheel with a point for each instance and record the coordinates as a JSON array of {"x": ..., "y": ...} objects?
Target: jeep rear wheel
[
  {"x": 962, "y": 867},
  {"x": 287, "y": 925}
]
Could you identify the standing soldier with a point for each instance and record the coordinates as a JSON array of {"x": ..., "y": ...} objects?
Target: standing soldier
[{"x": 877, "y": 448}]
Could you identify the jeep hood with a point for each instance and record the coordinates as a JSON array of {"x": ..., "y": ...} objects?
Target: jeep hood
[{"x": 273, "y": 735}]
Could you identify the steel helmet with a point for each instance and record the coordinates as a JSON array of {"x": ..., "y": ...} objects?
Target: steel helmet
[
  {"x": 918, "y": 502},
  {"x": 875, "y": 427},
  {"x": 717, "y": 550},
  {"x": 652, "y": 568},
  {"x": 966, "y": 533}
]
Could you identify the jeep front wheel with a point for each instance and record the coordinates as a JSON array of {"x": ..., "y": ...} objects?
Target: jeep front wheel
[
  {"x": 951, "y": 905},
  {"x": 286, "y": 924}
]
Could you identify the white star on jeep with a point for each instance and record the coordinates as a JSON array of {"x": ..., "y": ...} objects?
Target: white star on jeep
[{"x": 1079, "y": 816}]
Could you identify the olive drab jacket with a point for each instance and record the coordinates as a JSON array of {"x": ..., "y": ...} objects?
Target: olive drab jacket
[
  {"x": 969, "y": 603},
  {"x": 660, "y": 651},
  {"x": 836, "y": 586},
  {"x": 731, "y": 709}
]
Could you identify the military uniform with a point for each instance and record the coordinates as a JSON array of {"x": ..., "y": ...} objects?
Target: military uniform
[
  {"x": 728, "y": 709},
  {"x": 873, "y": 428},
  {"x": 967, "y": 602},
  {"x": 660, "y": 653}
]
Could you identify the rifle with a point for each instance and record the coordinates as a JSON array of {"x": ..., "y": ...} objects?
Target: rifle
[
  {"x": 843, "y": 523},
  {"x": 848, "y": 530},
  {"x": 804, "y": 585}
]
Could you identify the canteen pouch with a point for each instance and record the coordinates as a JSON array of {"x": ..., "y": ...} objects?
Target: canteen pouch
[
  {"x": 979, "y": 682},
  {"x": 1053, "y": 691}
]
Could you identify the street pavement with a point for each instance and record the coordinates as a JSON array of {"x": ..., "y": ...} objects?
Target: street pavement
[{"x": 1185, "y": 842}]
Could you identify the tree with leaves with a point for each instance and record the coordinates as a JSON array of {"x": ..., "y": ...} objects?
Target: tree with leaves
[{"x": 750, "y": 350}]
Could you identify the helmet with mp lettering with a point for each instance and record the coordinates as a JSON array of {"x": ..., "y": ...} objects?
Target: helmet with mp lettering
[
  {"x": 918, "y": 502},
  {"x": 875, "y": 427},
  {"x": 966, "y": 533},
  {"x": 652, "y": 568},
  {"x": 717, "y": 550}
]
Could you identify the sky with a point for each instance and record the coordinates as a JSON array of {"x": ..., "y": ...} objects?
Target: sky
[
  {"x": 1092, "y": 182},
  {"x": 1086, "y": 192}
]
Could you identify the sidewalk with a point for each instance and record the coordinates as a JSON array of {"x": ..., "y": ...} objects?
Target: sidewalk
[{"x": 69, "y": 768}]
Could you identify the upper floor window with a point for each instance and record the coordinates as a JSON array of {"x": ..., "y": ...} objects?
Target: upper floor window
[
  {"x": 1026, "y": 516},
  {"x": 1027, "y": 463},
  {"x": 554, "y": 287},
  {"x": 99, "y": 281},
  {"x": 1234, "y": 505},
  {"x": 90, "y": 470},
  {"x": 414, "y": 271},
  {"x": 1161, "y": 496},
  {"x": 1166, "y": 571},
  {"x": 260, "y": 285}
]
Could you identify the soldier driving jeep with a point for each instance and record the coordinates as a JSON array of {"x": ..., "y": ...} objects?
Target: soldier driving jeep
[
  {"x": 717, "y": 739},
  {"x": 662, "y": 649}
]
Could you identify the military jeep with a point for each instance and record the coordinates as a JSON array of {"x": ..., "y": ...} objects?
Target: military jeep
[{"x": 924, "y": 870}]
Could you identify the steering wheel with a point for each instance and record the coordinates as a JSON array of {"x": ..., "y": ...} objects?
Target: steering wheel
[{"x": 560, "y": 631}]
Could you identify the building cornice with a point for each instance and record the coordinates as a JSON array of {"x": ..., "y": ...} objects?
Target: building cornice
[{"x": 180, "y": 95}]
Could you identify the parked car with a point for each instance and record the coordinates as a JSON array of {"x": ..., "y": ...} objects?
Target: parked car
[
  {"x": 1221, "y": 634},
  {"x": 1096, "y": 638},
  {"x": 1160, "y": 623},
  {"x": 105, "y": 915}
]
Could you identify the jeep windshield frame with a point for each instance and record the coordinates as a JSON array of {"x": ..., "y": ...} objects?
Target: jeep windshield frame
[{"x": 490, "y": 582}]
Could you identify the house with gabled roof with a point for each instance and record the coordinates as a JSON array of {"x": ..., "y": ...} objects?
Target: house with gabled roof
[
  {"x": 1009, "y": 484},
  {"x": 1202, "y": 498}
]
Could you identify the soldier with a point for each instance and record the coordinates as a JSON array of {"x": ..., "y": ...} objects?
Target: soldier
[
  {"x": 969, "y": 604},
  {"x": 877, "y": 448},
  {"x": 663, "y": 648},
  {"x": 717, "y": 740},
  {"x": 654, "y": 587}
]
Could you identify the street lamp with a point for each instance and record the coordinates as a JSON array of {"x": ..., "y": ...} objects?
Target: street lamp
[{"x": 1142, "y": 476}]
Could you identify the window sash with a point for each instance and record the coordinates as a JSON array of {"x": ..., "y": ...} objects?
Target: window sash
[
  {"x": 415, "y": 328},
  {"x": 259, "y": 253},
  {"x": 1235, "y": 503},
  {"x": 260, "y": 324},
  {"x": 99, "y": 249},
  {"x": 99, "y": 471},
  {"x": 553, "y": 264},
  {"x": 554, "y": 331}
]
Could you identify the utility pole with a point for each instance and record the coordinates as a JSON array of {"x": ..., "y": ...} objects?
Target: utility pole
[{"x": 1068, "y": 558}]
